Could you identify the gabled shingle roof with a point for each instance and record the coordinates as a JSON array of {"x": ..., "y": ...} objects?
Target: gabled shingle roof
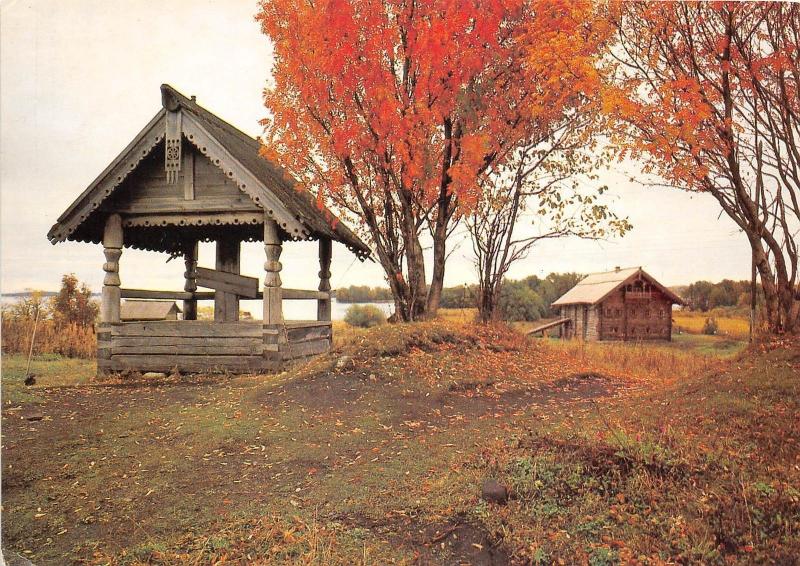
[
  {"x": 320, "y": 222},
  {"x": 593, "y": 288},
  {"x": 317, "y": 222}
]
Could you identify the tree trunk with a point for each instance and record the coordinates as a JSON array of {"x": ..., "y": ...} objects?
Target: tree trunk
[
  {"x": 437, "y": 278},
  {"x": 780, "y": 304}
]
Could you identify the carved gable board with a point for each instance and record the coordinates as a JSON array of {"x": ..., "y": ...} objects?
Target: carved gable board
[{"x": 195, "y": 177}]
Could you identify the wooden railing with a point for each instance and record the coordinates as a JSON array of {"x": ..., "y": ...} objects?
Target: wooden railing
[
  {"x": 170, "y": 295},
  {"x": 638, "y": 294},
  {"x": 288, "y": 294},
  {"x": 300, "y": 294},
  {"x": 322, "y": 297}
]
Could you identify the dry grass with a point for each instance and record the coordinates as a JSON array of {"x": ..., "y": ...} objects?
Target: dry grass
[
  {"x": 693, "y": 322},
  {"x": 637, "y": 360},
  {"x": 265, "y": 540},
  {"x": 70, "y": 340}
]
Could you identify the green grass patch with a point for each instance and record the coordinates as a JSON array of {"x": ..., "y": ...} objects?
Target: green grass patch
[{"x": 50, "y": 370}]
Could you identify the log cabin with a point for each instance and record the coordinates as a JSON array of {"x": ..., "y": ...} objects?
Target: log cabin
[
  {"x": 623, "y": 304},
  {"x": 137, "y": 311},
  {"x": 191, "y": 177}
]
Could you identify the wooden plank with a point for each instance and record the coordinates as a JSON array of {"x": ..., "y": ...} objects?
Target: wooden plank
[
  {"x": 192, "y": 350},
  {"x": 305, "y": 294},
  {"x": 307, "y": 333},
  {"x": 232, "y": 279},
  {"x": 166, "y": 205},
  {"x": 166, "y": 363},
  {"x": 228, "y": 282},
  {"x": 304, "y": 323},
  {"x": 148, "y": 294},
  {"x": 204, "y": 328},
  {"x": 171, "y": 295},
  {"x": 303, "y": 349},
  {"x": 188, "y": 341},
  {"x": 189, "y": 346},
  {"x": 553, "y": 324},
  {"x": 188, "y": 173}
]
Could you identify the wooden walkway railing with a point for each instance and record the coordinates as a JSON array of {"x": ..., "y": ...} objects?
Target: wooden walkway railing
[{"x": 549, "y": 325}]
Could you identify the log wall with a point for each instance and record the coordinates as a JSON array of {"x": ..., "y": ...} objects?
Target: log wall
[
  {"x": 206, "y": 346},
  {"x": 623, "y": 318}
]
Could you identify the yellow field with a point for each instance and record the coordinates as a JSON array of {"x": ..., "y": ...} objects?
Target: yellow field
[{"x": 692, "y": 322}]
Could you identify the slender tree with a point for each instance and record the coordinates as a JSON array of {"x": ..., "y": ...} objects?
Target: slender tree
[
  {"x": 550, "y": 176},
  {"x": 391, "y": 110},
  {"x": 708, "y": 96}
]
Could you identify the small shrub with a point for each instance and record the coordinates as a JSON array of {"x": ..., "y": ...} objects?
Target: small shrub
[
  {"x": 364, "y": 316},
  {"x": 518, "y": 302},
  {"x": 710, "y": 327}
]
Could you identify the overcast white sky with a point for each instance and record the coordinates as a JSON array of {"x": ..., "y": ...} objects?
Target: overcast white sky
[{"x": 79, "y": 79}]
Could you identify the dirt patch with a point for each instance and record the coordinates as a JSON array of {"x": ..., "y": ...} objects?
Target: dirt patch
[
  {"x": 113, "y": 467},
  {"x": 457, "y": 541}
]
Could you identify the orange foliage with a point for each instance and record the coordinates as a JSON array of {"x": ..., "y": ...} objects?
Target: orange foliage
[
  {"x": 708, "y": 96},
  {"x": 374, "y": 82},
  {"x": 393, "y": 110}
]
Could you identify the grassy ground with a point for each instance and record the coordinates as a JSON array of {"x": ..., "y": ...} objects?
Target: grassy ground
[
  {"x": 49, "y": 370},
  {"x": 612, "y": 453}
]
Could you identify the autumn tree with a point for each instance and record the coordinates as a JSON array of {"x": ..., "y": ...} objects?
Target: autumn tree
[
  {"x": 550, "y": 179},
  {"x": 73, "y": 304},
  {"x": 708, "y": 96},
  {"x": 391, "y": 110}
]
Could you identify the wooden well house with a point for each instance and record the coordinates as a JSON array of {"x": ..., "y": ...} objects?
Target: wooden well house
[
  {"x": 191, "y": 177},
  {"x": 623, "y": 304}
]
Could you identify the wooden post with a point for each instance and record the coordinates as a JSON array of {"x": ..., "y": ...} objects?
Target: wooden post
[
  {"x": 324, "y": 305},
  {"x": 226, "y": 305},
  {"x": 273, "y": 296},
  {"x": 190, "y": 285},
  {"x": 112, "y": 249}
]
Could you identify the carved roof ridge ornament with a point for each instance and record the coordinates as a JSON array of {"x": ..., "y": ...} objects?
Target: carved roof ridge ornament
[{"x": 172, "y": 151}]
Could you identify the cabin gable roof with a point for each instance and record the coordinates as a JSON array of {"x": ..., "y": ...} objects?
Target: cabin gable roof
[
  {"x": 235, "y": 153},
  {"x": 594, "y": 288}
]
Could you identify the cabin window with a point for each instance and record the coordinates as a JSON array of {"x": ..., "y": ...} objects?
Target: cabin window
[
  {"x": 647, "y": 330},
  {"x": 615, "y": 329},
  {"x": 633, "y": 312},
  {"x": 617, "y": 312}
]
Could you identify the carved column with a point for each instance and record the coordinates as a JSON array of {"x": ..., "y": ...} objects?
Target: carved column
[
  {"x": 110, "y": 301},
  {"x": 273, "y": 296},
  {"x": 112, "y": 249},
  {"x": 324, "y": 305},
  {"x": 190, "y": 285}
]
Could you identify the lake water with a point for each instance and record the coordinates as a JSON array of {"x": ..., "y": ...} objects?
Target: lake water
[{"x": 292, "y": 310}]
